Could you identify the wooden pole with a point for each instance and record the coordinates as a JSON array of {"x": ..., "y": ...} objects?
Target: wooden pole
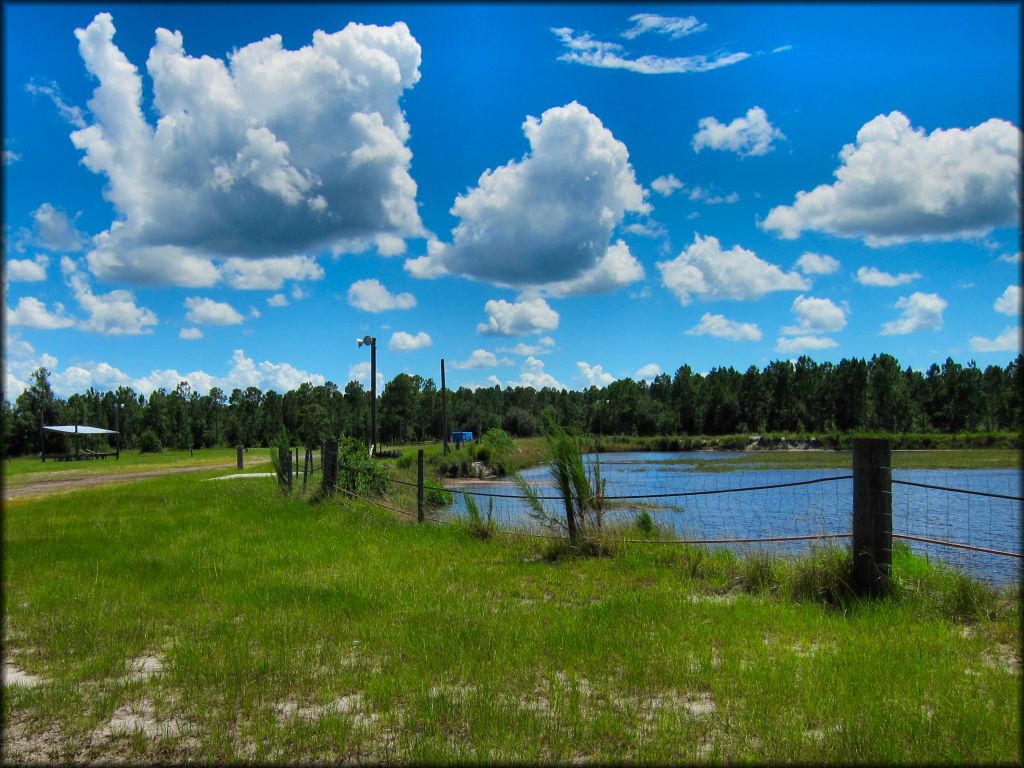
[
  {"x": 444, "y": 410},
  {"x": 872, "y": 516},
  {"x": 419, "y": 485},
  {"x": 241, "y": 457},
  {"x": 373, "y": 396},
  {"x": 284, "y": 468},
  {"x": 329, "y": 471}
]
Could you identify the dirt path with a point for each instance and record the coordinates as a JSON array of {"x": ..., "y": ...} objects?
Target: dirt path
[{"x": 46, "y": 486}]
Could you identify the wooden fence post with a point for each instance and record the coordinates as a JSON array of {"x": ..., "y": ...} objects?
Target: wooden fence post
[
  {"x": 329, "y": 470},
  {"x": 872, "y": 516},
  {"x": 241, "y": 458},
  {"x": 284, "y": 468},
  {"x": 419, "y": 485}
]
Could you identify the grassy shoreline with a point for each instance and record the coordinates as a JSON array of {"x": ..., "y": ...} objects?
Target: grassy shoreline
[{"x": 176, "y": 620}]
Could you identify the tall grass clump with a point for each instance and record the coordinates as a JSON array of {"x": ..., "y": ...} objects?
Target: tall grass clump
[
  {"x": 582, "y": 492},
  {"x": 476, "y": 525}
]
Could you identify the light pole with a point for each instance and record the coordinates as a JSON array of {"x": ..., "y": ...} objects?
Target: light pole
[{"x": 372, "y": 341}]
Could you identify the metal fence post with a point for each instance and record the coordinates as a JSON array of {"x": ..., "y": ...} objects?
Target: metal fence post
[
  {"x": 241, "y": 458},
  {"x": 329, "y": 470},
  {"x": 872, "y": 516},
  {"x": 284, "y": 468},
  {"x": 419, "y": 485}
]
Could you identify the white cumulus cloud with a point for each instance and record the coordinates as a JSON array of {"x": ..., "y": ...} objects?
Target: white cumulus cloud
[
  {"x": 897, "y": 184},
  {"x": 242, "y": 161},
  {"x": 505, "y": 318},
  {"x": 190, "y": 334},
  {"x": 269, "y": 274},
  {"x": 595, "y": 375},
  {"x": 407, "y": 342},
  {"x": 721, "y": 327},
  {"x": 533, "y": 375},
  {"x": 666, "y": 185},
  {"x": 209, "y": 312},
  {"x": 32, "y": 313},
  {"x": 544, "y": 346},
  {"x": 1009, "y": 302},
  {"x": 795, "y": 344},
  {"x": 481, "y": 358},
  {"x": 817, "y": 264},
  {"x": 277, "y": 300},
  {"x": 1007, "y": 341},
  {"x": 921, "y": 311},
  {"x": 372, "y": 296},
  {"x": 747, "y": 136},
  {"x": 548, "y": 217},
  {"x": 648, "y": 372},
  {"x": 704, "y": 269},
  {"x": 815, "y": 316},
  {"x": 54, "y": 231},
  {"x": 27, "y": 270},
  {"x": 875, "y": 277}
]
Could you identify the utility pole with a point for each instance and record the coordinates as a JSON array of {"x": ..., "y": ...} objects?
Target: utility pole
[{"x": 444, "y": 410}]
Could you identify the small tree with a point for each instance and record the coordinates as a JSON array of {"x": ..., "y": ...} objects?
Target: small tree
[{"x": 582, "y": 492}]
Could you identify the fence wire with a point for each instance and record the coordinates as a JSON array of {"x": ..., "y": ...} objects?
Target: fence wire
[{"x": 970, "y": 519}]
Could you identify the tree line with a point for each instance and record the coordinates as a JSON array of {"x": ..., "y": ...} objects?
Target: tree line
[{"x": 875, "y": 395}]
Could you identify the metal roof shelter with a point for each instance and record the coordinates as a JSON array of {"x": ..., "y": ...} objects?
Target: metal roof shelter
[
  {"x": 79, "y": 429},
  {"x": 75, "y": 430}
]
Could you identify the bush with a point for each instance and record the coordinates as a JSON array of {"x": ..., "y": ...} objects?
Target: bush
[
  {"x": 359, "y": 473},
  {"x": 149, "y": 442},
  {"x": 437, "y": 497}
]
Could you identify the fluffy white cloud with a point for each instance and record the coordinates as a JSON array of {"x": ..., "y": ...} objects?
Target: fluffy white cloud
[
  {"x": 921, "y": 311},
  {"x": 699, "y": 194},
  {"x": 190, "y": 334},
  {"x": 582, "y": 48},
  {"x": 815, "y": 316},
  {"x": 372, "y": 296},
  {"x": 723, "y": 328},
  {"x": 209, "y": 312},
  {"x": 481, "y": 358},
  {"x": 531, "y": 315},
  {"x": 595, "y": 375},
  {"x": 361, "y": 372},
  {"x": 406, "y": 342},
  {"x": 51, "y": 90},
  {"x": 648, "y": 372},
  {"x": 1011, "y": 258},
  {"x": 876, "y": 277},
  {"x": 804, "y": 343},
  {"x": 747, "y": 136},
  {"x": 53, "y": 230},
  {"x": 11, "y": 157},
  {"x": 544, "y": 346},
  {"x": 1007, "y": 341},
  {"x": 666, "y": 185},
  {"x": 897, "y": 184},
  {"x": 1009, "y": 302},
  {"x": 534, "y": 375},
  {"x": 277, "y": 300},
  {"x": 673, "y": 26},
  {"x": 114, "y": 313},
  {"x": 704, "y": 269},
  {"x": 817, "y": 264},
  {"x": 269, "y": 274},
  {"x": 32, "y": 313},
  {"x": 616, "y": 269},
  {"x": 27, "y": 270},
  {"x": 242, "y": 162},
  {"x": 548, "y": 217}
]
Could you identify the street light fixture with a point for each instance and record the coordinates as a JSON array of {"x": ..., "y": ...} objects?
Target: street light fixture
[{"x": 372, "y": 342}]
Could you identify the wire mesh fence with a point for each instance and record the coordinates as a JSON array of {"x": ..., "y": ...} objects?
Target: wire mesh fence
[{"x": 969, "y": 519}]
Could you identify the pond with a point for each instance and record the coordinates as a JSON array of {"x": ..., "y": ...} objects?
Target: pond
[{"x": 823, "y": 506}]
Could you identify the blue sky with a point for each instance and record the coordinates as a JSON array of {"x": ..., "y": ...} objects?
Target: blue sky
[{"x": 556, "y": 195}]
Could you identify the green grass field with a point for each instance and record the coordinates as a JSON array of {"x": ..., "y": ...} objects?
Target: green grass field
[{"x": 181, "y": 620}]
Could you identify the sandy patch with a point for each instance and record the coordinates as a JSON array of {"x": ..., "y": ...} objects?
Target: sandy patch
[
  {"x": 138, "y": 716},
  {"x": 15, "y": 675}
]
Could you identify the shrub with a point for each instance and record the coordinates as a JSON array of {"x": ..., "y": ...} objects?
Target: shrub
[
  {"x": 149, "y": 442},
  {"x": 437, "y": 497},
  {"x": 359, "y": 473}
]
